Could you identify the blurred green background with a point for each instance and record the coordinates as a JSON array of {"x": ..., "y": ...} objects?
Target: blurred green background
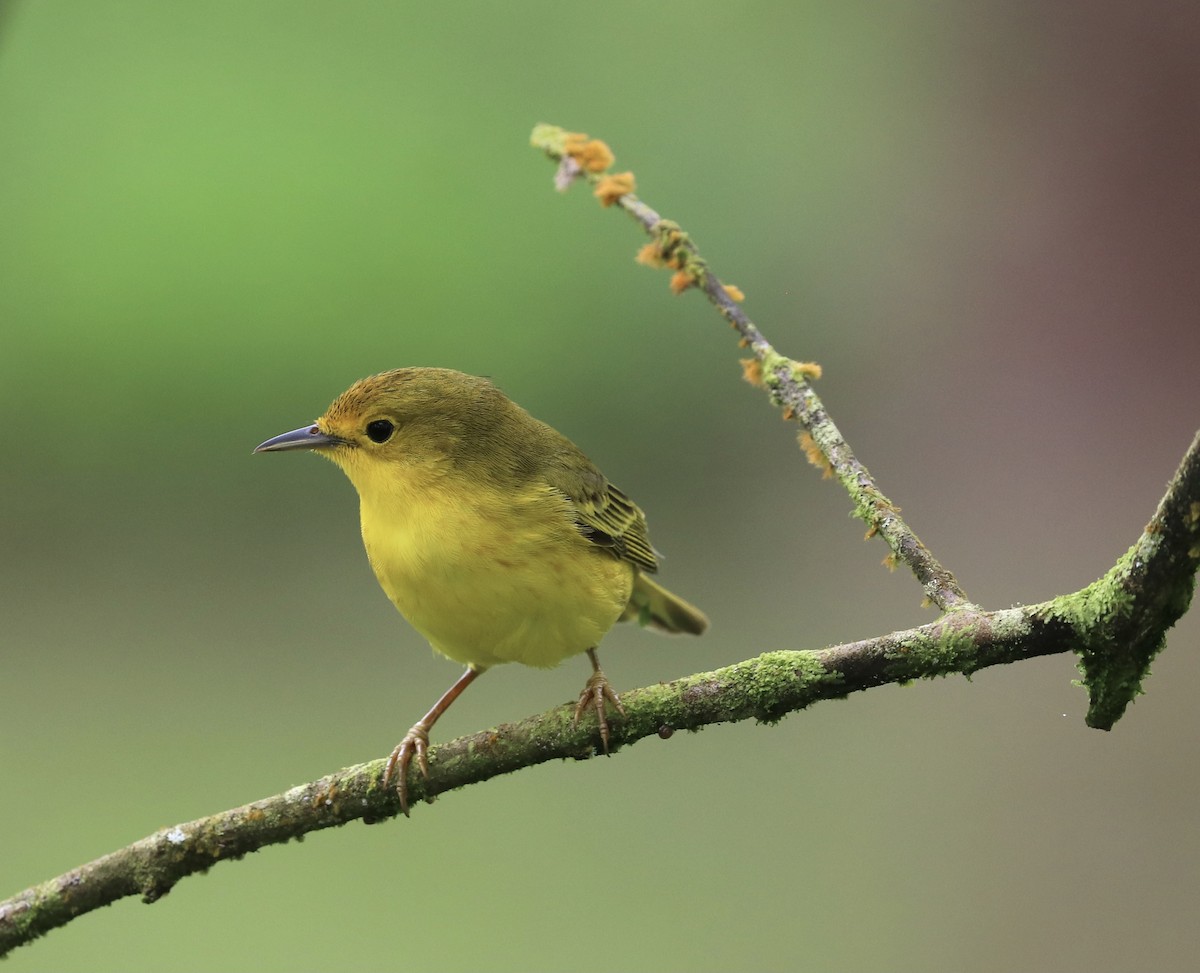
[{"x": 983, "y": 219}]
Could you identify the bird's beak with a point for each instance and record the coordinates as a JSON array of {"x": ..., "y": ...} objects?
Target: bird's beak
[{"x": 308, "y": 437}]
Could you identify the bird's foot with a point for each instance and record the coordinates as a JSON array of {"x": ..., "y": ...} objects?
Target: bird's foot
[
  {"x": 596, "y": 695},
  {"x": 416, "y": 740},
  {"x": 415, "y": 743}
]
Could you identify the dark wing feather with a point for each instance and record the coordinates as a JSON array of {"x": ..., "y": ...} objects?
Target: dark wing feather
[
  {"x": 610, "y": 519},
  {"x": 603, "y": 514}
]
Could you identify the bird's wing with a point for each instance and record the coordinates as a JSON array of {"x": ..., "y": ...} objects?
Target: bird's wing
[
  {"x": 610, "y": 519},
  {"x": 603, "y": 514}
]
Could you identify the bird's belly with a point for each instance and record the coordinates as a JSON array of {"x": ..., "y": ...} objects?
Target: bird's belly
[{"x": 486, "y": 587}]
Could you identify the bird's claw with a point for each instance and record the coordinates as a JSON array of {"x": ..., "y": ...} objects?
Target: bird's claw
[
  {"x": 415, "y": 742},
  {"x": 597, "y": 694}
]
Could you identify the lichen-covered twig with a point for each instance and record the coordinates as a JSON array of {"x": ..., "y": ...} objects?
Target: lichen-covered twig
[{"x": 788, "y": 382}]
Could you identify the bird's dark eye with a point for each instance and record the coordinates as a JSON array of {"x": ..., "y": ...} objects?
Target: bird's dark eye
[{"x": 380, "y": 430}]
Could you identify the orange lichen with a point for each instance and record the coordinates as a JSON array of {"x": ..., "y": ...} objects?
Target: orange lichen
[
  {"x": 611, "y": 188},
  {"x": 890, "y": 562},
  {"x": 597, "y": 156},
  {"x": 591, "y": 154},
  {"x": 681, "y": 280},
  {"x": 814, "y": 454},
  {"x": 734, "y": 292},
  {"x": 807, "y": 369},
  {"x": 650, "y": 256},
  {"x": 752, "y": 371}
]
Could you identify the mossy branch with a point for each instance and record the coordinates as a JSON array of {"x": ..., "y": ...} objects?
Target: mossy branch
[{"x": 1115, "y": 625}]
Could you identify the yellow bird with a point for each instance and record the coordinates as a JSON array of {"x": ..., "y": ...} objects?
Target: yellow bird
[{"x": 493, "y": 534}]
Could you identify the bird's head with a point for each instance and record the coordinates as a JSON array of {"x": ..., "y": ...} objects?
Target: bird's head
[{"x": 398, "y": 425}]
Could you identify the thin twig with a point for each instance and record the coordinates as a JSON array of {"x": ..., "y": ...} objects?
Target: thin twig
[{"x": 787, "y": 380}]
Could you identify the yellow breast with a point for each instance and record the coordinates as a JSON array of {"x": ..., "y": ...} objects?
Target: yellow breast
[{"x": 490, "y": 578}]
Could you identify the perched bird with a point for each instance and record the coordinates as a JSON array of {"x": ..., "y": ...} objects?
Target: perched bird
[{"x": 492, "y": 533}]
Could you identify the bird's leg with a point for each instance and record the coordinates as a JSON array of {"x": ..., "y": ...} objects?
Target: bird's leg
[
  {"x": 597, "y": 694},
  {"x": 416, "y": 740}
]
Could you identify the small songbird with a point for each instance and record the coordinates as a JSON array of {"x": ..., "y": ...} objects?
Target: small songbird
[{"x": 492, "y": 533}]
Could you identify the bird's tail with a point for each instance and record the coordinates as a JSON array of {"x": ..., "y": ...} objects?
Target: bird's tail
[{"x": 652, "y": 605}]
